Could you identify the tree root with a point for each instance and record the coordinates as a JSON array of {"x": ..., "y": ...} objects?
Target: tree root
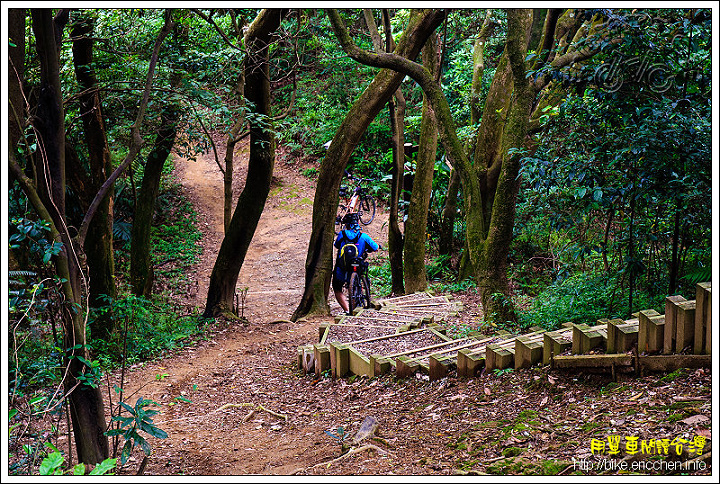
[
  {"x": 257, "y": 405},
  {"x": 347, "y": 454}
]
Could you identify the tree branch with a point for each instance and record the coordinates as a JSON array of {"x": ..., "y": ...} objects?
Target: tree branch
[
  {"x": 136, "y": 138},
  {"x": 217, "y": 27}
]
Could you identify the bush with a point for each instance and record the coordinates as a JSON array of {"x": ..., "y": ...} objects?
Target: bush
[{"x": 581, "y": 298}]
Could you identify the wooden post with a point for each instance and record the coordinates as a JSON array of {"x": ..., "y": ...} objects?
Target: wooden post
[
  {"x": 625, "y": 335},
  {"x": 439, "y": 366},
  {"x": 527, "y": 352},
  {"x": 612, "y": 334},
  {"x": 405, "y": 367},
  {"x": 656, "y": 333},
  {"x": 555, "y": 343},
  {"x": 586, "y": 338},
  {"x": 380, "y": 365},
  {"x": 498, "y": 358},
  {"x": 470, "y": 362},
  {"x": 708, "y": 325},
  {"x": 308, "y": 363},
  {"x": 643, "y": 329},
  {"x": 322, "y": 358},
  {"x": 342, "y": 360},
  {"x": 670, "y": 323},
  {"x": 299, "y": 361},
  {"x": 702, "y": 297},
  {"x": 577, "y": 338},
  {"x": 648, "y": 337},
  {"x": 685, "y": 325}
]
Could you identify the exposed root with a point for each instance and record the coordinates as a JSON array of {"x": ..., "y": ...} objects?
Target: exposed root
[
  {"x": 257, "y": 405},
  {"x": 347, "y": 454}
]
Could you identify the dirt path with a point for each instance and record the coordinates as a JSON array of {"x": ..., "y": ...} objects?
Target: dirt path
[
  {"x": 243, "y": 365},
  {"x": 235, "y": 404}
]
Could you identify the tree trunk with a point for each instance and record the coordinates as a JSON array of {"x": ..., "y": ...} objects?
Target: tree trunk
[
  {"x": 141, "y": 269},
  {"x": 142, "y": 274},
  {"x": 86, "y": 403},
  {"x": 450, "y": 209},
  {"x": 416, "y": 224},
  {"x": 319, "y": 263},
  {"x": 396, "y": 107},
  {"x": 232, "y": 140},
  {"x": 98, "y": 244},
  {"x": 491, "y": 268},
  {"x": 260, "y": 167},
  {"x": 16, "y": 72}
]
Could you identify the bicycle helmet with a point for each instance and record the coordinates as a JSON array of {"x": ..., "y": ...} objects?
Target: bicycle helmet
[{"x": 350, "y": 220}]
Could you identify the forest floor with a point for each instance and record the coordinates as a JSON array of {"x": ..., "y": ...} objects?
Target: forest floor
[{"x": 235, "y": 404}]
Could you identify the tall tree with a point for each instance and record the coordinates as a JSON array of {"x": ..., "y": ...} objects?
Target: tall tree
[
  {"x": 98, "y": 245},
  {"x": 141, "y": 270},
  {"x": 449, "y": 211},
  {"x": 251, "y": 202},
  {"x": 47, "y": 195},
  {"x": 417, "y": 219},
  {"x": 319, "y": 263},
  {"x": 491, "y": 183},
  {"x": 396, "y": 109}
]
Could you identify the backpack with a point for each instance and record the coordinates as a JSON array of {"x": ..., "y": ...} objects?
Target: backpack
[{"x": 348, "y": 253}]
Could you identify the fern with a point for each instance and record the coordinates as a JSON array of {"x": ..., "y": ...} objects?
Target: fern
[{"x": 701, "y": 274}]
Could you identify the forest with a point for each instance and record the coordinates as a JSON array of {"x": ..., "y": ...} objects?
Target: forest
[{"x": 174, "y": 177}]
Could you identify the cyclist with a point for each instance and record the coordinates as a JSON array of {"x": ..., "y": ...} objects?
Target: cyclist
[{"x": 365, "y": 244}]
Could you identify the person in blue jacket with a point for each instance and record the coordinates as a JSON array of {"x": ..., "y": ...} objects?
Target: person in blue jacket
[{"x": 365, "y": 244}]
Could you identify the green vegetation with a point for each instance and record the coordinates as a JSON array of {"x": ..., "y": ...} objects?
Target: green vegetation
[{"x": 608, "y": 213}]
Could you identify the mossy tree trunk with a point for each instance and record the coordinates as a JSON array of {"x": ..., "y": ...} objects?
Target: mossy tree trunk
[
  {"x": 416, "y": 224},
  {"x": 491, "y": 182},
  {"x": 447, "y": 223},
  {"x": 319, "y": 263},
  {"x": 251, "y": 201}
]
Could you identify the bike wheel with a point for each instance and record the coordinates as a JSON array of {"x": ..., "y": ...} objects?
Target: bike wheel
[
  {"x": 366, "y": 211},
  {"x": 366, "y": 290},
  {"x": 355, "y": 299}
]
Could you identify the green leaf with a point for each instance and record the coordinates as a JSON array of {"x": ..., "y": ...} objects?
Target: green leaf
[
  {"x": 104, "y": 467},
  {"x": 144, "y": 444},
  {"x": 51, "y": 446},
  {"x": 79, "y": 469},
  {"x": 50, "y": 463},
  {"x": 125, "y": 454},
  {"x": 128, "y": 408},
  {"x": 154, "y": 431}
]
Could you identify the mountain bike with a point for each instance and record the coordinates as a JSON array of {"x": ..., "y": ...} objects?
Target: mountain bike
[
  {"x": 356, "y": 200},
  {"x": 358, "y": 285}
]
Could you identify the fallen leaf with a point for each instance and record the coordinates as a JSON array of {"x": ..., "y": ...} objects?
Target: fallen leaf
[
  {"x": 551, "y": 380},
  {"x": 704, "y": 433},
  {"x": 695, "y": 419},
  {"x": 636, "y": 396},
  {"x": 543, "y": 401},
  {"x": 487, "y": 391}
]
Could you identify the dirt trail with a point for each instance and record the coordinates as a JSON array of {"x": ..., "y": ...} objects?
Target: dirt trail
[
  {"x": 243, "y": 365},
  {"x": 235, "y": 404}
]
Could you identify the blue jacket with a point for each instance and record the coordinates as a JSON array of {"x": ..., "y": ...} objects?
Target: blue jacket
[{"x": 364, "y": 244}]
